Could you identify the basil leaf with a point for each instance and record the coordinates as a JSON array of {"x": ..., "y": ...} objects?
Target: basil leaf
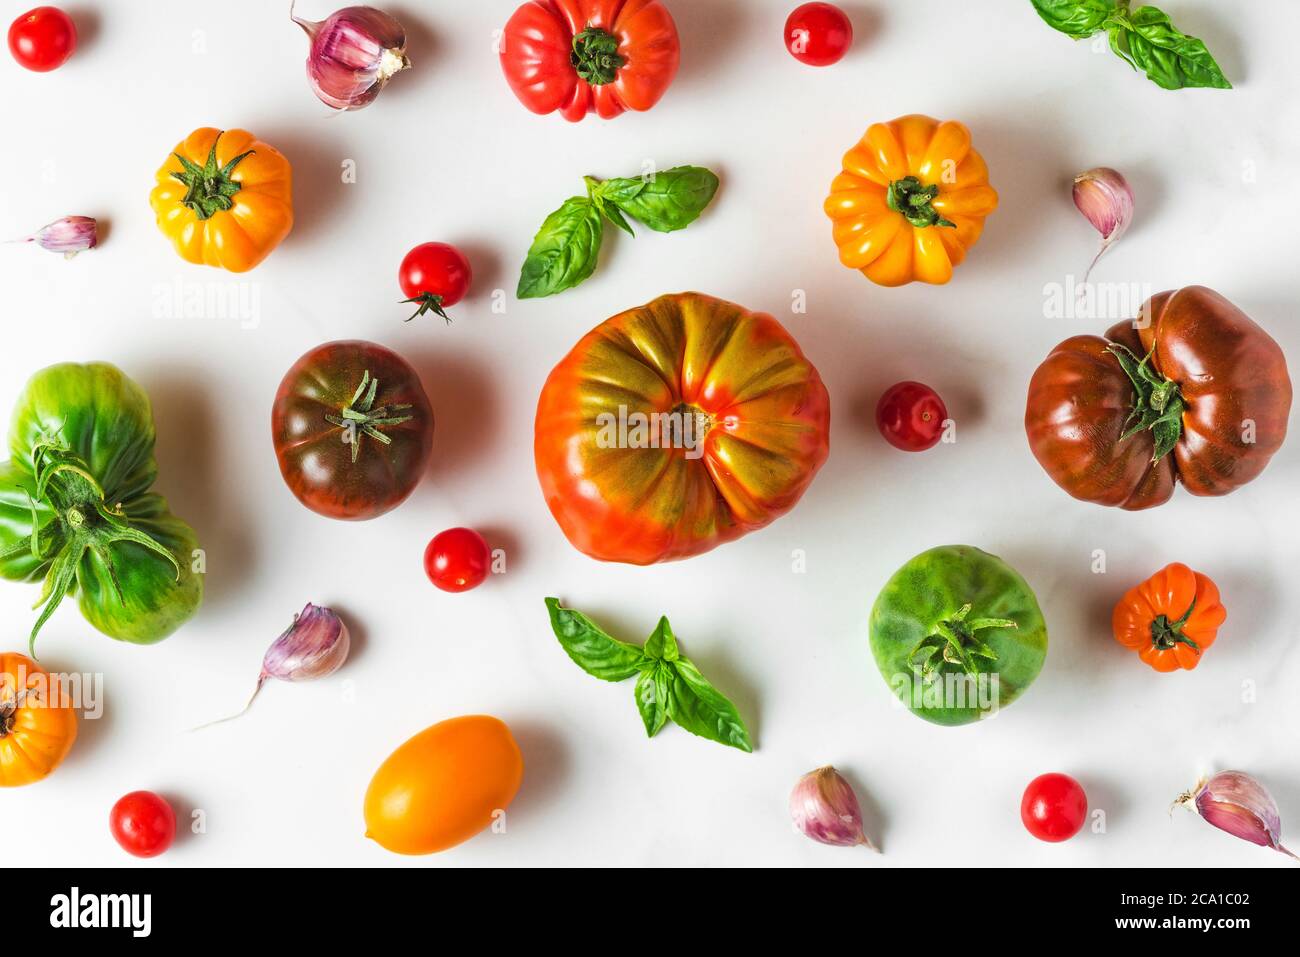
[
  {"x": 666, "y": 201},
  {"x": 1170, "y": 59},
  {"x": 649, "y": 702},
  {"x": 613, "y": 214},
  {"x": 662, "y": 643},
  {"x": 1077, "y": 18},
  {"x": 564, "y": 252},
  {"x": 701, "y": 709},
  {"x": 618, "y": 190},
  {"x": 595, "y": 652}
]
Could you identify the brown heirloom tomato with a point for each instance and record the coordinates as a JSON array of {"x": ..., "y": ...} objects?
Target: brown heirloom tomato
[
  {"x": 1194, "y": 392},
  {"x": 353, "y": 429},
  {"x": 677, "y": 426}
]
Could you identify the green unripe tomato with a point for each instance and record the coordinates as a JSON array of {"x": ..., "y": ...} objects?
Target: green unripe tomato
[{"x": 957, "y": 634}]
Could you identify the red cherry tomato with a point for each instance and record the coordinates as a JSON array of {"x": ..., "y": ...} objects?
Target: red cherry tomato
[
  {"x": 1054, "y": 807},
  {"x": 434, "y": 275},
  {"x": 910, "y": 416},
  {"x": 457, "y": 559},
  {"x": 42, "y": 39},
  {"x": 818, "y": 34},
  {"x": 143, "y": 823}
]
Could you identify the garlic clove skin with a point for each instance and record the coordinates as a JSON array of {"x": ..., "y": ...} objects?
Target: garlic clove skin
[
  {"x": 1236, "y": 803},
  {"x": 1105, "y": 198},
  {"x": 315, "y": 645},
  {"x": 354, "y": 53},
  {"x": 824, "y": 808},
  {"x": 69, "y": 235}
]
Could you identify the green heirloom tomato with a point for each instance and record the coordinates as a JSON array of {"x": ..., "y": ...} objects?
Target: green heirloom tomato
[
  {"x": 76, "y": 510},
  {"x": 957, "y": 634}
]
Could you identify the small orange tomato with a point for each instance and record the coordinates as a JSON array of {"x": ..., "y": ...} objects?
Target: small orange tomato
[
  {"x": 224, "y": 198},
  {"x": 37, "y": 726},
  {"x": 1170, "y": 619},
  {"x": 444, "y": 785},
  {"x": 910, "y": 201}
]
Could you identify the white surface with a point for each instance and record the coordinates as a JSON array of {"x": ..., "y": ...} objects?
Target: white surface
[{"x": 447, "y": 153}]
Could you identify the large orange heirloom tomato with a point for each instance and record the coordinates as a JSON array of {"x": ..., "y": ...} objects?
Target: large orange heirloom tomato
[
  {"x": 677, "y": 426},
  {"x": 224, "y": 198},
  {"x": 910, "y": 201},
  {"x": 37, "y": 724},
  {"x": 1170, "y": 619}
]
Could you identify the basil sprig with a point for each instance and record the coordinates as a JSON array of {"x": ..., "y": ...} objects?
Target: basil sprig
[
  {"x": 565, "y": 249},
  {"x": 668, "y": 687},
  {"x": 1145, "y": 38}
]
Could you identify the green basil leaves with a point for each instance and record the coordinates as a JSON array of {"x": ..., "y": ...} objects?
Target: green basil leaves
[
  {"x": 565, "y": 249},
  {"x": 564, "y": 252},
  {"x": 665, "y": 202},
  {"x": 1145, "y": 38},
  {"x": 668, "y": 686}
]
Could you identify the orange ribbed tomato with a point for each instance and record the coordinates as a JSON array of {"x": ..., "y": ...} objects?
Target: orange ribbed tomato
[
  {"x": 677, "y": 426},
  {"x": 224, "y": 198},
  {"x": 1170, "y": 619},
  {"x": 37, "y": 724},
  {"x": 910, "y": 201},
  {"x": 444, "y": 785}
]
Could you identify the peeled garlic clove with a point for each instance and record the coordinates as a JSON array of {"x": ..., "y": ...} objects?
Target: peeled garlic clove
[
  {"x": 1235, "y": 802},
  {"x": 824, "y": 807},
  {"x": 1106, "y": 200},
  {"x": 354, "y": 53}
]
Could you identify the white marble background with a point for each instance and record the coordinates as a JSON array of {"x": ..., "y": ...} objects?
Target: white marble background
[{"x": 447, "y": 153}]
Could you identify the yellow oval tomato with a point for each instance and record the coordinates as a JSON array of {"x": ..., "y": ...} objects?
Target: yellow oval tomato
[
  {"x": 444, "y": 785},
  {"x": 37, "y": 726},
  {"x": 224, "y": 198},
  {"x": 910, "y": 201}
]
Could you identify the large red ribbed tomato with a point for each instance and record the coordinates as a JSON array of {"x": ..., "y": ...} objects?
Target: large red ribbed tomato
[
  {"x": 677, "y": 426},
  {"x": 1194, "y": 392},
  {"x": 590, "y": 56}
]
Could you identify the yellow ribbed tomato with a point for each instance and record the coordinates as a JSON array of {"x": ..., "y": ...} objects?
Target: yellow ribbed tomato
[
  {"x": 444, "y": 785},
  {"x": 911, "y": 200},
  {"x": 677, "y": 426},
  {"x": 37, "y": 724},
  {"x": 224, "y": 198}
]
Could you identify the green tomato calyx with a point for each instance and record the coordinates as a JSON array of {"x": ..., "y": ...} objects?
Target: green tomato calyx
[
  {"x": 362, "y": 417},
  {"x": 915, "y": 201},
  {"x": 211, "y": 188},
  {"x": 85, "y": 523},
  {"x": 1165, "y": 633},
  {"x": 1158, "y": 405},
  {"x": 955, "y": 645},
  {"x": 595, "y": 56},
  {"x": 428, "y": 302}
]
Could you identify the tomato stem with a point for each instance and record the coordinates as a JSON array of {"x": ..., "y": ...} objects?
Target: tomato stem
[
  {"x": 1158, "y": 404},
  {"x": 595, "y": 56},
  {"x": 954, "y": 643},
  {"x": 428, "y": 302},
  {"x": 362, "y": 417},
  {"x": 210, "y": 188},
  {"x": 914, "y": 201},
  {"x": 1165, "y": 633},
  {"x": 86, "y": 523}
]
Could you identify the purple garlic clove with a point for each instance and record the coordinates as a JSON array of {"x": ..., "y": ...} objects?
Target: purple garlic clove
[
  {"x": 824, "y": 808},
  {"x": 1235, "y": 802}
]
